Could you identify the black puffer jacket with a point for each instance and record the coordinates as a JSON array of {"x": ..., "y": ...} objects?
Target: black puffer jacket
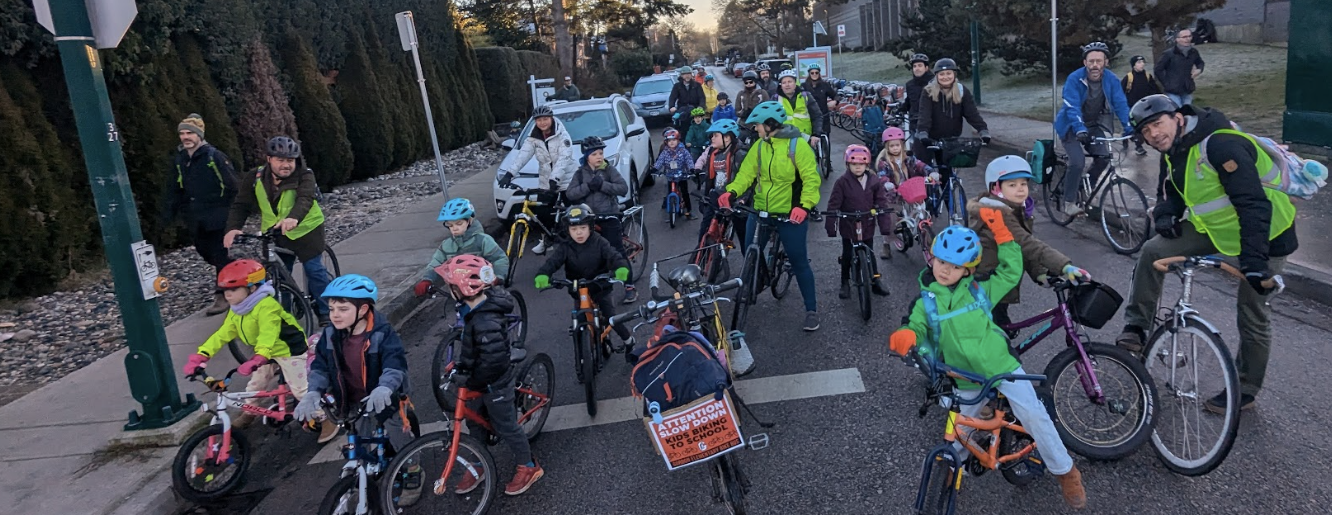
[
  {"x": 485, "y": 341},
  {"x": 1243, "y": 186},
  {"x": 686, "y": 95},
  {"x": 914, "y": 89},
  {"x": 589, "y": 259},
  {"x": 942, "y": 118}
]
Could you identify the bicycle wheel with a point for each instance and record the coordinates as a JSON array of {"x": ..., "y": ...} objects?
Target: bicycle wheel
[
  {"x": 781, "y": 270},
  {"x": 635, "y": 238},
  {"x": 331, "y": 262},
  {"x": 586, "y": 356},
  {"x": 1125, "y": 217},
  {"x": 345, "y": 495},
  {"x": 535, "y": 383},
  {"x": 198, "y": 477},
  {"x": 1191, "y": 364},
  {"x": 1107, "y": 430},
  {"x": 731, "y": 484},
  {"x": 925, "y": 238},
  {"x": 1052, "y": 195},
  {"x": 749, "y": 275},
  {"x": 939, "y": 478},
  {"x": 825, "y": 156},
  {"x": 429, "y": 455},
  {"x": 1021, "y": 472},
  {"x": 517, "y": 239},
  {"x": 518, "y": 321},
  {"x": 445, "y": 355},
  {"x": 672, "y": 207},
  {"x": 957, "y": 202},
  {"x": 864, "y": 276}
]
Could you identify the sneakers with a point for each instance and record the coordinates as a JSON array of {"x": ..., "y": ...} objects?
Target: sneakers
[
  {"x": 630, "y": 294},
  {"x": 469, "y": 482},
  {"x": 523, "y": 479},
  {"x": 328, "y": 431},
  {"x": 876, "y": 287},
  {"x": 540, "y": 247},
  {"x": 811, "y": 321},
  {"x": 219, "y": 306},
  {"x": 742, "y": 361},
  {"x": 844, "y": 291},
  {"x": 1140, "y": 151},
  {"x": 411, "y": 486},
  {"x": 1071, "y": 483},
  {"x": 1072, "y": 209},
  {"x": 629, "y": 355},
  {"x": 1130, "y": 339},
  {"x": 1218, "y": 404}
]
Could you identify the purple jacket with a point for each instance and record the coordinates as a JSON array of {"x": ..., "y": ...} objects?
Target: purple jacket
[{"x": 849, "y": 195}]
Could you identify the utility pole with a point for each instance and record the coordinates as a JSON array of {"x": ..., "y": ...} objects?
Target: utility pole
[
  {"x": 975, "y": 60},
  {"x": 79, "y": 33},
  {"x": 407, "y": 34}
]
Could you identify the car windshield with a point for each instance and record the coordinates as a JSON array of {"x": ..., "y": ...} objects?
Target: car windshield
[
  {"x": 581, "y": 124},
  {"x": 652, "y": 87}
]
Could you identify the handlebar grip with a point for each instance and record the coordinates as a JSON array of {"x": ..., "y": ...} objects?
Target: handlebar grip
[
  {"x": 1163, "y": 264},
  {"x": 730, "y": 285}
]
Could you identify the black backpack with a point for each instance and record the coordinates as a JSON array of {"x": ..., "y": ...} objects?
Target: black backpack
[{"x": 676, "y": 370}]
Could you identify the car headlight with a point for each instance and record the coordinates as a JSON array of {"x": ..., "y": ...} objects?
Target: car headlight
[{"x": 614, "y": 161}]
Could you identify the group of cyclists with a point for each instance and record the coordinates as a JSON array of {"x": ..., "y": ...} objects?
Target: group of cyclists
[{"x": 768, "y": 159}]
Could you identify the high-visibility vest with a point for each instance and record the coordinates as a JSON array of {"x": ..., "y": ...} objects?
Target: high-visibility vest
[
  {"x": 268, "y": 218},
  {"x": 1209, "y": 207}
]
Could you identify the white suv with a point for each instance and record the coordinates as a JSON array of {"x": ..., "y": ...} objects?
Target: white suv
[{"x": 613, "y": 119}]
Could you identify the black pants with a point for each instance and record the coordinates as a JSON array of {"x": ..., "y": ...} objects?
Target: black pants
[
  {"x": 498, "y": 405},
  {"x": 613, "y": 231},
  {"x": 845, "y": 260},
  {"x": 545, "y": 213},
  {"x": 209, "y": 246}
]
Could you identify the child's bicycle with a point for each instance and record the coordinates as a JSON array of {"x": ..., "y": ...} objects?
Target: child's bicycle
[
  {"x": 446, "y": 352},
  {"x": 864, "y": 270},
  {"x": 357, "y": 491},
  {"x": 915, "y": 226},
  {"x": 1191, "y": 364},
  {"x": 590, "y": 332},
  {"x": 212, "y": 462},
  {"x": 673, "y": 204},
  {"x": 521, "y": 228},
  {"x": 450, "y": 458},
  {"x": 949, "y": 197},
  {"x": 288, "y": 292},
  {"x": 634, "y": 238},
  {"x": 984, "y": 438},
  {"x": 1126, "y": 220},
  {"x": 1107, "y": 399}
]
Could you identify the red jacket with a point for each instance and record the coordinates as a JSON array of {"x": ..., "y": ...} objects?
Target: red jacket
[{"x": 849, "y": 195}]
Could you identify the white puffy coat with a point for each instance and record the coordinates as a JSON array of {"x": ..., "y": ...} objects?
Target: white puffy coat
[{"x": 554, "y": 155}]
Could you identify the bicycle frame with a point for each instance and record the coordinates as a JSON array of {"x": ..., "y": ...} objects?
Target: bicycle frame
[
  {"x": 1052, "y": 320},
  {"x": 525, "y": 217},
  {"x": 219, "y": 407},
  {"x": 631, "y": 247},
  {"x": 462, "y": 412},
  {"x": 362, "y": 467}
]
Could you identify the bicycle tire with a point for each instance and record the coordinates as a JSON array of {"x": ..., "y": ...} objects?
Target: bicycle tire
[
  {"x": 1134, "y": 404},
  {"x": 957, "y": 202},
  {"x": 518, "y": 334},
  {"x": 181, "y": 483},
  {"x": 864, "y": 278},
  {"x": 586, "y": 357},
  {"x": 341, "y": 498},
  {"x": 937, "y": 494},
  {"x": 825, "y": 156},
  {"x": 331, "y": 262},
  {"x": 633, "y": 187},
  {"x": 530, "y": 377},
  {"x": 432, "y": 452},
  {"x": 781, "y": 273},
  {"x": 1133, "y": 221},
  {"x": 925, "y": 238},
  {"x": 748, "y": 290},
  {"x": 1157, "y": 351},
  {"x": 1026, "y": 470},
  {"x": 733, "y": 489},
  {"x": 446, "y": 352},
  {"x": 672, "y": 207},
  {"x": 1052, "y": 195},
  {"x": 517, "y": 240},
  {"x": 638, "y": 250}
]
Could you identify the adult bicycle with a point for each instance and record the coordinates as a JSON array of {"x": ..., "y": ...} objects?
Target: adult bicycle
[
  {"x": 445, "y": 358},
  {"x": 823, "y": 155},
  {"x": 1124, "y": 212},
  {"x": 762, "y": 269},
  {"x": 522, "y": 226},
  {"x": 289, "y": 294},
  {"x": 947, "y": 196},
  {"x": 590, "y": 332},
  {"x": 634, "y": 238},
  {"x": 864, "y": 270}
]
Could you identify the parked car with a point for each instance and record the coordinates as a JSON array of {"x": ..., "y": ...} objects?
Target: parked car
[
  {"x": 718, "y": 62},
  {"x": 650, "y": 94},
  {"x": 628, "y": 145},
  {"x": 739, "y": 69}
]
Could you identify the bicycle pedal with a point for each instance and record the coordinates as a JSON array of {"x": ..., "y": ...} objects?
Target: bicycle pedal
[{"x": 758, "y": 442}]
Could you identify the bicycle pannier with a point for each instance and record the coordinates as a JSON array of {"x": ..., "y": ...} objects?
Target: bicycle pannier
[{"x": 1093, "y": 304}]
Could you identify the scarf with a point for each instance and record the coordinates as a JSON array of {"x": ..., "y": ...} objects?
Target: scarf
[{"x": 266, "y": 290}]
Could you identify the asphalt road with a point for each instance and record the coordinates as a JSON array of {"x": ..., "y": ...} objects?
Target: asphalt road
[{"x": 861, "y": 452}]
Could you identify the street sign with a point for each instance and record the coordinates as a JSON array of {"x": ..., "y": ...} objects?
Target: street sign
[
  {"x": 818, "y": 28},
  {"x": 407, "y": 34},
  {"x": 841, "y": 31},
  {"x": 145, "y": 263},
  {"x": 406, "y": 30},
  {"x": 110, "y": 19}
]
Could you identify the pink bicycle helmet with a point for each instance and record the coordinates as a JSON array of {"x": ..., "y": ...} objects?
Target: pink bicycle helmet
[
  {"x": 893, "y": 133},
  {"x": 857, "y": 154},
  {"x": 469, "y": 273}
]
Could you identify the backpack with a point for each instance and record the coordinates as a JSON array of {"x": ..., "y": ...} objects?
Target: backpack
[
  {"x": 1290, "y": 173},
  {"x": 677, "y": 369}
]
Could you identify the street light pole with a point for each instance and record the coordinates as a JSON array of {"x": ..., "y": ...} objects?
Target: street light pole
[
  {"x": 1054, "y": 66},
  {"x": 407, "y": 33}
]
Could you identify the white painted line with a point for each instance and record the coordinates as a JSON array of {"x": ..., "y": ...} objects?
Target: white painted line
[{"x": 612, "y": 411}]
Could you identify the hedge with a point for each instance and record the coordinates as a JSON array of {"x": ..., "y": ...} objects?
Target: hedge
[{"x": 505, "y": 83}]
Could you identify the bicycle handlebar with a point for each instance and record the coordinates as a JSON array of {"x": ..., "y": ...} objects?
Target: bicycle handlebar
[
  {"x": 938, "y": 369},
  {"x": 1275, "y": 282},
  {"x": 1114, "y": 139},
  {"x": 605, "y": 279},
  {"x": 652, "y": 307},
  {"x": 814, "y": 215},
  {"x": 852, "y": 214}
]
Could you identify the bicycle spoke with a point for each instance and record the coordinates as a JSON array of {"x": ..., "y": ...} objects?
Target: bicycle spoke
[{"x": 430, "y": 455}]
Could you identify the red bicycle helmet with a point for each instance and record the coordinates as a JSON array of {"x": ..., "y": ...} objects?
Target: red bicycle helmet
[
  {"x": 893, "y": 133},
  {"x": 857, "y": 154},
  {"x": 670, "y": 134},
  {"x": 469, "y": 273},
  {"x": 241, "y": 273}
]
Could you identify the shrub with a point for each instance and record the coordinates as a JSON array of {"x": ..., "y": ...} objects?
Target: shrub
[
  {"x": 505, "y": 83},
  {"x": 324, "y": 142}
]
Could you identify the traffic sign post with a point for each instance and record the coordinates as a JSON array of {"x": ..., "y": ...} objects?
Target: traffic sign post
[
  {"x": 841, "y": 33},
  {"x": 407, "y": 33},
  {"x": 80, "y": 29},
  {"x": 818, "y": 29}
]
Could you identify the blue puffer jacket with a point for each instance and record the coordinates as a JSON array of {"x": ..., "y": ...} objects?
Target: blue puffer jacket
[{"x": 1075, "y": 90}]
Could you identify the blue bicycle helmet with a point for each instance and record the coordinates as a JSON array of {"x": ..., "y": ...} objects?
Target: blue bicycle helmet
[
  {"x": 767, "y": 111},
  {"x": 725, "y": 126},
  {"x": 352, "y": 286},
  {"x": 957, "y": 245},
  {"x": 456, "y": 209}
]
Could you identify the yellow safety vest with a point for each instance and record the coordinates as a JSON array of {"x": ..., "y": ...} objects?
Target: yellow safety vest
[
  {"x": 314, "y": 218},
  {"x": 1209, "y": 207},
  {"x": 799, "y": 114}
]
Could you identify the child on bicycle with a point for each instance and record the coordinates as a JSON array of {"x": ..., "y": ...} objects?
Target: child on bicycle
[
  {"x": 858, "y": 190},
  {"x": 673, "y": 159},
  {"x": 720, "y": 162},
  {"x": 359, "y": 359},
  {"x": 585, "y": 256},
  {"x": 952, "y": 316},
  {"x": 485, "y": 364},
  {"x": 1007, "y": 179},
  {"x": 257, "y": 319},
  {"x": 599, "y": 185},
  {"x": 893, "y": 163},
  {"x": 871, "y": 120},
  {"x": 466, "y": 236},
  {"x": 697, "y": 138}
]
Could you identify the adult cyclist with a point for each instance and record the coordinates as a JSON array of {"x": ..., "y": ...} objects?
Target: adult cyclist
[
  {"x": 765, "y": 82},
  {"x": 783, "y": 166},
  {"x": 802, "y": 109},
  {"x": 685, "y": 96},
  {"x": 1093, "y": 97},
  {"x": 823, "y": 92},
  {"x": 944, "y": 103},
  {"x": 921, "y": 77},
  {"x": 745, "y": 102},
  {"x": 552, "y": 147}
]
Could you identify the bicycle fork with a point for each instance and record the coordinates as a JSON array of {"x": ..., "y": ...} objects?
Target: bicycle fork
[{"x": 943, "y": 452}]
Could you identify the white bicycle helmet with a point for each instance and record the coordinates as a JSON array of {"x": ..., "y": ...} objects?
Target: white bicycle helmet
[
  {"x": 1006, "y": 168},
  {"x": 788, "y": 73}
]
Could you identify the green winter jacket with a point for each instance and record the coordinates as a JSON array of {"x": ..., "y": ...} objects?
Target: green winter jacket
[
  {"x": 268, "y": 328},
  {"x": 475, "y": 242},
  {"x": 698, "y": 136},
  {"x": 785, "y": 178},
  {"x": 969, "y": 341}
]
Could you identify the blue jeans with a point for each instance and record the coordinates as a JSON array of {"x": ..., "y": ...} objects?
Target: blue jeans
[
  {"x": 1077, "y": 161},
  {"x": 316, "y": 278},
  {"x": 1181, "y": 100},
  {"x": 793, "y": 238}
]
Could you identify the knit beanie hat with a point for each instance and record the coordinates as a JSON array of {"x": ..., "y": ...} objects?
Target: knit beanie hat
[
  {"x": 1135, "y": 59},
  {"x": 193, "y": 123}
]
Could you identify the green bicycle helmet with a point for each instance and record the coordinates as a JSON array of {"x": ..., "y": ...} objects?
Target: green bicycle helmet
[
  {"x": 698, "y": 111},
  {"x": 770, "y": 111},
  {"x": 725, "y": 126},
  {"x": 685, "y": 70},
  {"x": 456, "y": 209}
]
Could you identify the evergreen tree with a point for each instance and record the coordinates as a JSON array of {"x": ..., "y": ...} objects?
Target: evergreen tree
[
  {"x": 324, "y": 144},
  {"x": 265, "y": 112},
  {"x": 939, "y": 30},
  {"x": 365, "y": 113},
  {"x": 203, "y": 95}
]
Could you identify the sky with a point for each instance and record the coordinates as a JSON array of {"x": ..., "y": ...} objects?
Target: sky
[{"x": 702, "y": 16}]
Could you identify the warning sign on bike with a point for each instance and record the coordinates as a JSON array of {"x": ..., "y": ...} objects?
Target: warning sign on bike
[{"x": 696, "y": 432}]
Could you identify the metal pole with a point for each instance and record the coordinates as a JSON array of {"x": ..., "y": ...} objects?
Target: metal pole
[
  {"x": 975, "y": 61},
  {"x": 148, "y": 367},
  {"x": 1054, "y": 67},
  {"x": 430, "y": 118}
]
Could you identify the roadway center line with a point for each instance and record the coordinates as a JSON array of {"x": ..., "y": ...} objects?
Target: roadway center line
[{"x": 612, "y": 411}]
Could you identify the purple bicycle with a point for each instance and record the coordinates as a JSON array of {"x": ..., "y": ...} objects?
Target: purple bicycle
[{"x": 1118, "y": 414}]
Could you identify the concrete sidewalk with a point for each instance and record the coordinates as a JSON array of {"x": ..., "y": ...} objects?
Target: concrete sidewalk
[
  {"x": 56, "y": 443},
  {"x": 1308, "y": 266}
]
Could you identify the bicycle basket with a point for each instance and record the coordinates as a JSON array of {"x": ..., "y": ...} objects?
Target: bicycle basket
[
  {"x": 912, "y": 190},
  {"x": 1093, "y": 304},
  {"x": 960, "y": 152},
  {"x": 1041, "y": 158}
]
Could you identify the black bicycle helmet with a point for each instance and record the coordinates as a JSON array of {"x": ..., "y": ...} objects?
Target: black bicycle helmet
[
  {"x": 282, "y": 146},
  {"x": 542, "y": 111},
  {"x": 721, "y": 95},
  {"x": 578, "y": 214},
  {"x": 1095, "y": 46},
  {"x": 920, "y": 58},
  {"x": 1150, "y": 108},
  {"x": 945, "y": 64},
  {"x": 591, "y": 143},
  {"x": 750, "y": 75}
]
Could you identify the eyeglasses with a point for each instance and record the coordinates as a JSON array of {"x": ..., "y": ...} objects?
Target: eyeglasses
[{"x": 749, "y": 82}]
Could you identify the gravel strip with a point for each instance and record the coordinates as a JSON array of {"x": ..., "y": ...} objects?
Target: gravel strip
[{"x": 44, "y": 338}]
